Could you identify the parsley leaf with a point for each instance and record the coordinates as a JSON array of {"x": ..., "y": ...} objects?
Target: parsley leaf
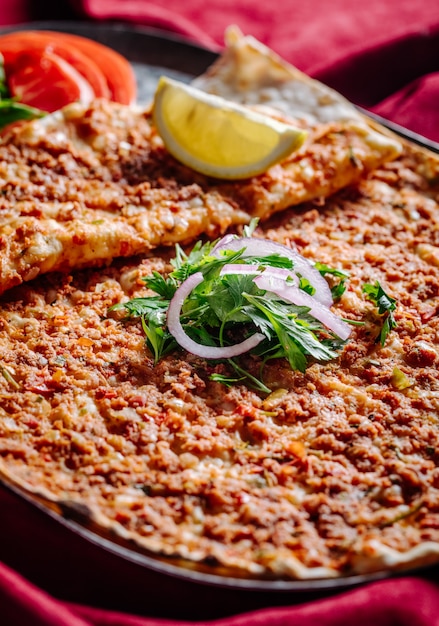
[
  {"x": 151, "y": 308},
  {"x": 305, "y": 285},
  {"x": 338, "y": 288},
  {"x": 225, "y": 308},
  {"x": 386, "y": 306},
  {"x": 290, "y": 332},
  {"x": 152, "y": 313},
  {"x": 164, "y": 287},
  {"x": 159, "y": 341},
  {"x": 13, "y": 111},
  {"x": 10, "y": 109}
]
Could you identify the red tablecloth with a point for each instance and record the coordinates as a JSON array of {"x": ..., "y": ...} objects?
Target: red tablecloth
[{"x": 382, "y": 54}]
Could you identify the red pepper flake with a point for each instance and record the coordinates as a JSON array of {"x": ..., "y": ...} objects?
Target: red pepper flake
[
  {"x": 103, "y": 392},
  {"x": 124, "y": 248},
  {"x": 247, "y": 411},
  {"x": 79, "y": 240}
]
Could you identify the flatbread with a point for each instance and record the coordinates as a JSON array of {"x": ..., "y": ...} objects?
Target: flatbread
[
  {"x": 86, "y": 185},
  {"x": 343, "y": 146},
  {"x": 335, "y": 473}
]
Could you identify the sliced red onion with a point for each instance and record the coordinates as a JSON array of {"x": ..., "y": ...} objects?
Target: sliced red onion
[
  {"x": 222, "y": 244},
  {"x": 241, "y": 269},
  {"x": 291, "y": 293},
  {"x": 264, "y": 247},
  {"x": 282, "y": 274},
  {"x": 177, "y": 330}
]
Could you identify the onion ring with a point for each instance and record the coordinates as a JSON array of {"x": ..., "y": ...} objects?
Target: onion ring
[
  {"x": 264, "y": 247},
  {"x": 291, "y": 293},
  {"x": 179, "y": 334}
]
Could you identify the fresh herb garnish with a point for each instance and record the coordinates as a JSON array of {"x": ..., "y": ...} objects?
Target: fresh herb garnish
[
  {"x": 10, "y": 109},
  {"x": 225, "y": 308},
  {"x": 338, "y": 288},
  {"x": 8, "y": 377},
  {"x": 386, "y": 306}
]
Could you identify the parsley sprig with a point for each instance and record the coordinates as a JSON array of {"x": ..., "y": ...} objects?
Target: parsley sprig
[
  {"x": 386, "y": 306},
  {"x": 338, "y": 287},
  {"x": 10, "y": 109},
  {"x": 222, "y": 310}
]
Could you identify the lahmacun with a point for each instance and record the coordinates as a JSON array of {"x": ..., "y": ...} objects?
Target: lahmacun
[
  {"x": 89, "y": 184},
  {"x": 333, "y": 473}
]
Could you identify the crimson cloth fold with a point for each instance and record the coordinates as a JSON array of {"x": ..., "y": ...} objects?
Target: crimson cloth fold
[
  {"x": 383, "y": 55},
  {"x": 411, "y": 602}
]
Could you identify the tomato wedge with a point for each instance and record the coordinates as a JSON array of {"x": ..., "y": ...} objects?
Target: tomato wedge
[
  {"x": 10, "y": 47},
  {"x": 46, "y": 81},
  {"x": 118, "y": 71},
  {"x": 109, "y": 73}
]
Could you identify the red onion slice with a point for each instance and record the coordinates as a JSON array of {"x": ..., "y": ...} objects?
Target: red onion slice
[
  {"x": 177, "y": 330},
  {"x": 264, "y": 247},
  {"x": 240, "y": 269},
  {"x": 291, "y": 293},
  {"x": 223, "y": 244}
]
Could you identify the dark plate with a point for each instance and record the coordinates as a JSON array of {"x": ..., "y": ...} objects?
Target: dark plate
[{"x": 153, "y": 53}]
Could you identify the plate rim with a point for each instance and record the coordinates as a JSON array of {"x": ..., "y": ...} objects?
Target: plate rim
[
  {"x": 164, "y": 565},
  {"x": 105, "y": 28}
]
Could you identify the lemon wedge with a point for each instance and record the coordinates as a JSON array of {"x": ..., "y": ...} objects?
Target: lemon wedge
[{"x": 217, "y": 137}]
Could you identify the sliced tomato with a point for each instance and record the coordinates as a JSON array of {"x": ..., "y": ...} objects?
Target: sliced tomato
[
  {"x": 46, "y": 81},
  {"x": 85, "y": 55},
  {"x": 117, "y": 70},
  {"x": 11, "y": 46}
]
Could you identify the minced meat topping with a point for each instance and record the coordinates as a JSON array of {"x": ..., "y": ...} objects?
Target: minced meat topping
[{"x": 335, "y": 472}]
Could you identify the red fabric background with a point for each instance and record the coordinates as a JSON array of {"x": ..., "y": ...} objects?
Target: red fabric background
[{"x": 382, "y": 54}]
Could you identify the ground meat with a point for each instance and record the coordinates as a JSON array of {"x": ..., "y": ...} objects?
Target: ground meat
[{"x": 337, "y": 471}]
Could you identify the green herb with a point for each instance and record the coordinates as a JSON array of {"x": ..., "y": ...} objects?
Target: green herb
[
  {"x": 249, "y": 229},
  {"x": 8, "y": 377},
  {"x": 305, "y": 285},
  {"x": 222, "y": 310},
  {"x": 13, "y": 111},
  {"x": 3, "y": 86},
  {"x": 228, "y": 381},
  {"x": 402, "y": 516},
  {"x": 386, "y": 306},
  {"x": 158, "y": 340},
  {"x": 243, "y": 376},
  {"x": 10, "y": 109},
  {"x": 339, "y": 287},
  {"x": 152, "y": 312},
  {"x": 399, "y": 380}
]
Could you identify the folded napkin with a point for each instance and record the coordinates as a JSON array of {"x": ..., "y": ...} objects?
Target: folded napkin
[{"x": 383, "y": 55}]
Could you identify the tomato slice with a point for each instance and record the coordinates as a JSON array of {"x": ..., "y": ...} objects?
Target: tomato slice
[
  {"x": 88, "y": 57},
  {"x": 118, "y": 71},
  {"x": 16, "y": 43},
  {"x": 46, "y": 81}
]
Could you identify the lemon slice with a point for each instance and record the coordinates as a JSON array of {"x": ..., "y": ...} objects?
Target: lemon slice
[{"x": 217, "y": 137}]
